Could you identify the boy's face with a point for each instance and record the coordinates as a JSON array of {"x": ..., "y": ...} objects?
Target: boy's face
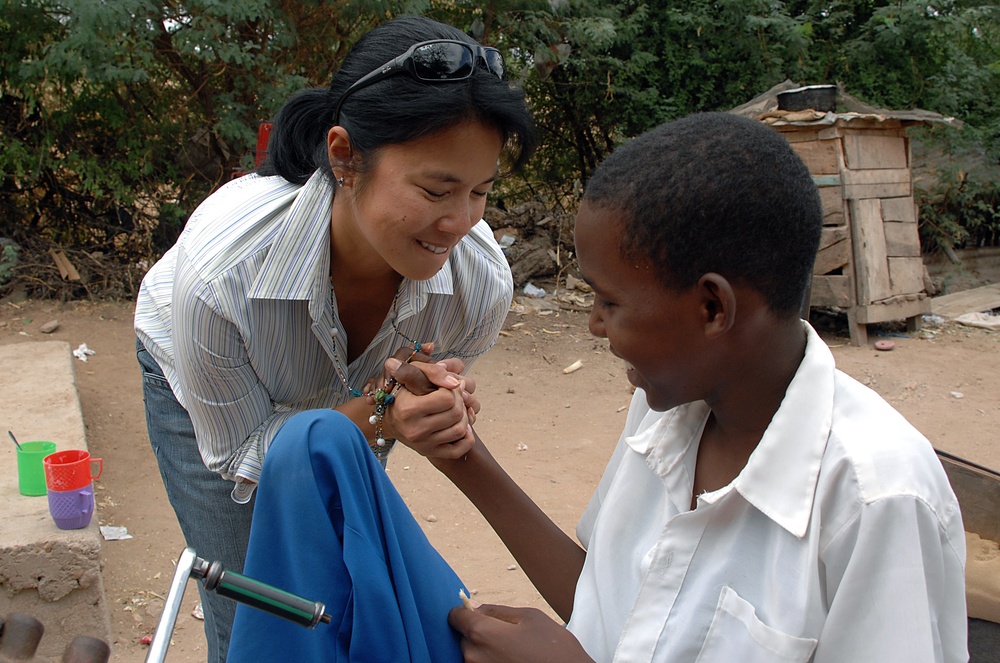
[{"x": 656, "y": 330}]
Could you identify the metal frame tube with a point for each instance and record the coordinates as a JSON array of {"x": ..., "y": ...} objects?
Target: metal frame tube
[{"x": 171, "y": 608}]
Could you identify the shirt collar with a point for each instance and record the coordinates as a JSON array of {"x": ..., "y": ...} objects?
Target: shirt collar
[
  {"x": 781, "y": 475},
  {"x": 669, "y": 445},
  {"x": 415, "y": 294},
  {"x": 298, "y": 262}
]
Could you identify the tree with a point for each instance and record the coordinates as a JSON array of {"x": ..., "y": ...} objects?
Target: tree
[{"x": 119, "y": 116}]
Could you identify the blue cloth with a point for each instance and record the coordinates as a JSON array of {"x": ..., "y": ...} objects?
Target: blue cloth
[
  {"x": 214, "y": 526},
  {"x": 329, "y": 526}
]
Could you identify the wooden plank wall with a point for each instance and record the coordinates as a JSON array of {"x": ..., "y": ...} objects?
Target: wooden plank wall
[
  {"x": 869, "y": 260},
  {"x": 822, "y": 151},
  {"x": 883, "y": 220}
]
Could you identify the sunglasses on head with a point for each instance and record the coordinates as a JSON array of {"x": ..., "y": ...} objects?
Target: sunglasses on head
[{"x": 433, "y": 62}]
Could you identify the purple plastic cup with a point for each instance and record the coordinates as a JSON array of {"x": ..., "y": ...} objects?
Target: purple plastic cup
[{"x": 72, "y": 509}]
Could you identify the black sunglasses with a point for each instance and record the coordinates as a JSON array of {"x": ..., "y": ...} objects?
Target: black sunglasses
[{"x": 431, "y": 61}]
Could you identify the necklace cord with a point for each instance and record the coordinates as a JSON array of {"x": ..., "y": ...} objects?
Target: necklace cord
[{"x": 385, "y": 395}]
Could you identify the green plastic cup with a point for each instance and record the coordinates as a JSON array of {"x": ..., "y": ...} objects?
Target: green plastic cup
[{"x": 30, "y": 470}]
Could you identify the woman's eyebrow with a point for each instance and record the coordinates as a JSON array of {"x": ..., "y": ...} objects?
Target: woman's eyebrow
[{"x": 450, "y": 178}]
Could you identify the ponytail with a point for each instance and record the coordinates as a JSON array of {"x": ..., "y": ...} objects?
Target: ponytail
[{"x": 297, "y": 145}]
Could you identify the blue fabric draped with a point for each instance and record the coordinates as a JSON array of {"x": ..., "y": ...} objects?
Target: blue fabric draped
[{"x": 329, "y": 526}]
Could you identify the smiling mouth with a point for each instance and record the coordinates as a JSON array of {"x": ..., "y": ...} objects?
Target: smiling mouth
[
  {"x": 630, "y": 373},
  {"x": 438, "y": 250},
  {"x": 628, "y": 365}
]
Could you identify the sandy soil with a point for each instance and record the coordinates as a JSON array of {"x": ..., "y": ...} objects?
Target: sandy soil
[{"x": 552, "y": 431}]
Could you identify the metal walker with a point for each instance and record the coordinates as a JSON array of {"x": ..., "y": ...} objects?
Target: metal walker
[{"x": 233, "y": 586}]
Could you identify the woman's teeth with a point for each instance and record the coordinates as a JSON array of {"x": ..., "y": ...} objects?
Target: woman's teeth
[{"x": 434, "y": 249}]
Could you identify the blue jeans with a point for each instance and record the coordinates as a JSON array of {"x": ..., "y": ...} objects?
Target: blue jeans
[
  {"x": 329, "y": 526},
  {"x": 215, "y": 526}
]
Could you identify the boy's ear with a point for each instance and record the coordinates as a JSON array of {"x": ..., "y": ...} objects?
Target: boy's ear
[
  {"x": 718, "y": 303},
  {"x": 338, "y": 147}
]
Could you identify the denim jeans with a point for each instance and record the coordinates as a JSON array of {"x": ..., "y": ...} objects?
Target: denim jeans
[{"x": 214, "y": 526}]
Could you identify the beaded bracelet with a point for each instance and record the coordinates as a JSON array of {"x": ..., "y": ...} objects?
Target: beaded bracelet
[{"x": 384, "y": 397}]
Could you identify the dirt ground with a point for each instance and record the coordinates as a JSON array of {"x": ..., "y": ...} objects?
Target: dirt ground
[{"x": 553, "y": 431}]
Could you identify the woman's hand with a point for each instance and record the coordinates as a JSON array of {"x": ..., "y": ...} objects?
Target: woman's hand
[
  {"x": 421, "y": 384},
  {"x": 405, "y": 353},
  {"x": 432, "y": 414},
  {"x": 501, "y": 634},
  {"x": 468, "y": 385}
]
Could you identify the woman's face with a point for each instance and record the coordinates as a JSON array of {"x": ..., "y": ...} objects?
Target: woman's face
[{"x": 422, "y": 197}]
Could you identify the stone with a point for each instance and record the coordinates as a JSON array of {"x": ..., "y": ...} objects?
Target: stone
[{"x": 51, "y": 574}]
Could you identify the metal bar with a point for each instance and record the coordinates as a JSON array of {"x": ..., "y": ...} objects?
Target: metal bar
[{"x": 171, "y": 608}]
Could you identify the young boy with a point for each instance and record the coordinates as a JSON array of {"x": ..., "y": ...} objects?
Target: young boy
[{"x": 760, "y": 505}]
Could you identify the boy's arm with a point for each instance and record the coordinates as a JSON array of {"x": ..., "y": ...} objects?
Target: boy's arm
[
  {"x": 895, "y": 581},
  {"x": 549, "y": 557}
]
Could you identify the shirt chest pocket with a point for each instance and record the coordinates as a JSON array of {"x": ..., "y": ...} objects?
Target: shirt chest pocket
[{"x": 736, "y": 634}]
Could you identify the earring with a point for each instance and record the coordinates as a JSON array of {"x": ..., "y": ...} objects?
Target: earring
[{"x": 340, "y": 181}]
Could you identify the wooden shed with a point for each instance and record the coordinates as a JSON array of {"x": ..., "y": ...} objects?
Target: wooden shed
[{"x": 869, "y": 263}]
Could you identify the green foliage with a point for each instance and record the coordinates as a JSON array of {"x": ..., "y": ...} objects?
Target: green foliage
[
  {"x": 940, "y": 55},
  {"x": 118, "y": 117},
  {"x": 600, "y": 72},
  {"x": 8, "y": 259},
  {"x": 118, "y": 113},
  {"x": 960, "y": 210}
]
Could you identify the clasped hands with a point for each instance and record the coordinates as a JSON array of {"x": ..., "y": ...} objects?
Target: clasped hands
[
  {"x": 435, "y": 407},
  {"x": 433, "y": 413}
]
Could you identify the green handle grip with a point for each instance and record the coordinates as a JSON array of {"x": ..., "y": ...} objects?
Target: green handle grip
[{"x": 264, "y": 597}]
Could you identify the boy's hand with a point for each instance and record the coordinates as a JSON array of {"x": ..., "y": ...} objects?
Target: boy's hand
[
  {"x": 501, "y": 634},
  {"x": 422, "y": 377}
]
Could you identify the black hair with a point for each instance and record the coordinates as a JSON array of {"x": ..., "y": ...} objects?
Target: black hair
[
  {"x": 716, "y": 192},
  {"x": 395, "y": 110}
]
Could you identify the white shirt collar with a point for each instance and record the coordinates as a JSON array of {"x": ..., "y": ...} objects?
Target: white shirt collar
[
  {"x": 780, "y": 477},
  {"x": 301, "y": 241},
  {"x": 793, "y": 445}
]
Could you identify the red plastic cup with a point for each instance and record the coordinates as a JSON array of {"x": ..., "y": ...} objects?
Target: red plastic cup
[{"x": 71, "y": 469}]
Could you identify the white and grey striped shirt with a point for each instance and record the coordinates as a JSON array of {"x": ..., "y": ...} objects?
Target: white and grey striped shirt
[{"x": 238, "y": 314}]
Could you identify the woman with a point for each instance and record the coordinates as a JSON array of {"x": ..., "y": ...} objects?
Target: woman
[{"x": 289, "y": 288}]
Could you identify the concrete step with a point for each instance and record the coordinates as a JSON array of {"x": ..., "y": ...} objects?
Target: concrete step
[{"x": 52, "y": 574}]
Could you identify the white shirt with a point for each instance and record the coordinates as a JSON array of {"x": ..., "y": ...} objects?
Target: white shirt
[
  {"x": 238, "y": 315},
  {"x": 841, "y": 540}
]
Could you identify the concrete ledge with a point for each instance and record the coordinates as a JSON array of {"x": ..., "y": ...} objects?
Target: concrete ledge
[{"x": 52, "y": 574}]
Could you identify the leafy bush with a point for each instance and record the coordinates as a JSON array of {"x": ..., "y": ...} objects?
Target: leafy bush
[
  {"x": 117, "y": 118},
  {"x": 959, "y": 211},
  {"x": 8, "y": 259}
]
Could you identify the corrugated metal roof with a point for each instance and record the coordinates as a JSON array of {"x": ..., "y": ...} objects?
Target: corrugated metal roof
[{"x": 764, "y": 107}]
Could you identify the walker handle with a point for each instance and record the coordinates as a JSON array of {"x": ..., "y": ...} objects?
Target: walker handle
[{"x": 258, "y": 595}]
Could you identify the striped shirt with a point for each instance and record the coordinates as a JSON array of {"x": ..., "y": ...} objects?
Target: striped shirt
[{"x": 239, "y": 315}]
